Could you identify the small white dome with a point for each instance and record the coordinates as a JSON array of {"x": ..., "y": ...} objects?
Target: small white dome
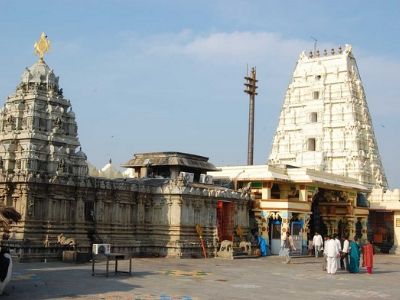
[{"x": 109, "y": 171}]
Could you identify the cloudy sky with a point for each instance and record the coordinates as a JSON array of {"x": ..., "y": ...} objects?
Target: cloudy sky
[{"x": 168, "y": 75}]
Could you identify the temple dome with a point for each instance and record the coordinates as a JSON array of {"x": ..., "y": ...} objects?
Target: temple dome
[
  {"x": 39, "y": 73},
  {"x": 81, "y": 154}
]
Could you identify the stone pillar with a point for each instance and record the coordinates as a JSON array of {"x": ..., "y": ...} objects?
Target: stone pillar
[
  {"x": 266, "y": 191},
  {"x": 263, "y": 226},
  {"x": 99, "y": 208},
  {"x": 303, "y": 193},
  {"x": 396, "y": 231},
  {"x": 331, "y": 226},
  {"x": 286, "y": 216},
  {"x": 334, "y": 226},
  {"x": 80, "y": 209},
  {"x": 306, "y": 219},
  {"x": 175, "y": 210},
  {"x": 351, "y": 223},
  {"x": 24, "y": 203},
  {"x": 364, "y": 229}
]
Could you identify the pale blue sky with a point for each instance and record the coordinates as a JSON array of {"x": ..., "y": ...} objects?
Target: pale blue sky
[{"x": 167, "y": 75}]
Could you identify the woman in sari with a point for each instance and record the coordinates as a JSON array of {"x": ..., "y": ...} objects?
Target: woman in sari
[
  {"x": 354, "y": 254},
  {"x": 368, "y": 257}
]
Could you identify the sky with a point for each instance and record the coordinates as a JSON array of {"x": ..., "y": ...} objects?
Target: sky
[{"x": 147, "y": 76}]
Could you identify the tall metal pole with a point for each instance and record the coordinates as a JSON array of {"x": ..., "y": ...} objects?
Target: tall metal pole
[{"x": 250, "y": 88}]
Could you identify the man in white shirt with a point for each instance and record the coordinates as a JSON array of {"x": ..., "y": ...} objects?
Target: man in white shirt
[
  {"x": 332, "y": 253},
  {"x": 339, "y": 248},
  {"x": 317, "y": 243},
  {"x": 344, "y": 258}
]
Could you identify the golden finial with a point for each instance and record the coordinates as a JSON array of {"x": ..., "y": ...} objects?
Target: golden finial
[{"x": 42, "y": 46}]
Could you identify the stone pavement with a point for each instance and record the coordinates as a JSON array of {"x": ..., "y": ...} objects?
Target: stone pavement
[{"x": 189, "y": 279}]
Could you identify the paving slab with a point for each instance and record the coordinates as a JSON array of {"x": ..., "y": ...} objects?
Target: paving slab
[{"x": 213, "y": 278}]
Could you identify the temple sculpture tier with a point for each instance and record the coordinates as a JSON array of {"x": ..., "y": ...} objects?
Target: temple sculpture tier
[
  {"x": 38, "y": 131},
  {"x": 325, "y": 123}
]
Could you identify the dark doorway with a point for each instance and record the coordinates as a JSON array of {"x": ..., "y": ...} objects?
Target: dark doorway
[
  {"x": 316, "y": 223},
  {"x": 275, "y": 226},
  {"x": 342, "y": 229},
  {"x": 381, "y": 229},
  {"x": 358, "y": 229},
  {"x": 225, "y": 220}
]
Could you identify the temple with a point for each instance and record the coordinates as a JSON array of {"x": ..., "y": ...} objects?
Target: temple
[
  {"x": 325, "y": 123},
  {"x": 324, "y": 172},
  {"x": 44, "y": 174}
]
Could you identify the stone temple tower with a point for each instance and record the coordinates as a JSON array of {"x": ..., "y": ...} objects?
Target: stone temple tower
[
  {"x": 38, "y": 129},
  {"x": 325, "y": 123},
  {"x": 38, "y": 132}
]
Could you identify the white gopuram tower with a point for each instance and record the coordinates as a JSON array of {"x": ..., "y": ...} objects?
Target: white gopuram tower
[{"x": 325, "y": 123}]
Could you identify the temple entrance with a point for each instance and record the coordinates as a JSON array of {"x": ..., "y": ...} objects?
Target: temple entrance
[
  {"x": 225, "y": 220},
  {"x": 275, "y": 235},
  {"x": 381, "y": 229},
  {"x": 316, "y": 223}
]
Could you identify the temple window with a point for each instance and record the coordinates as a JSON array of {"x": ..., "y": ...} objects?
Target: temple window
[
  {"x": 311, "y": 144},
  {"x": 313, "y": 117},
  {"x": 42, "y": 124},
  {"x": 275, "y": 191}
]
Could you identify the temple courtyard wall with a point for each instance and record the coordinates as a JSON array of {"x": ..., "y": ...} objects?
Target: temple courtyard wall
[{"x": 144, "y": 217}]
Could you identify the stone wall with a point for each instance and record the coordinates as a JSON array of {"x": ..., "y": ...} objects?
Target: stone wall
[{"x": 140, "y": 216}]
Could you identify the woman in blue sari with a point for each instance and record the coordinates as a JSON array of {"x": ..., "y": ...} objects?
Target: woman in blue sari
[{"x": 354, "y": 254}]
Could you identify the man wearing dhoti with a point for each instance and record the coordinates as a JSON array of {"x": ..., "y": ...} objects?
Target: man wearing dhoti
[
  {"x": 317, "y": 243},
  {"x": 339, "y": 247},
  {"x": 332, "y": 253}
]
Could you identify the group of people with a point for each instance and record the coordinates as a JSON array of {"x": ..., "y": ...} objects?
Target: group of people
[{"x": 342, "y": 253}]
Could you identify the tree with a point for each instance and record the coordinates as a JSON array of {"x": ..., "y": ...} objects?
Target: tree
[{"x": 8, "y": 215}]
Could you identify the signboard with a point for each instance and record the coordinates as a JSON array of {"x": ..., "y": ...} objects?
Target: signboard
[
  {"x": 397, "y": 222},
  {"x": 256, "y": 184}
]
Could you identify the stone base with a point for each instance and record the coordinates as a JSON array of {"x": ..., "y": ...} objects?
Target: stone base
[{"x": 75, "y": 257}]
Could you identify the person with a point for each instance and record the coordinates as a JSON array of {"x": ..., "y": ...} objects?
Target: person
[
  {"x": 339, "y": 249},
  {"x": 262, "y": 245},
  {"x": 344, "y": 259},
  {"x": 368, "y": 257},
  {"x": 354, "y": 254},
  {"x": 324, "y": 261},
  {"x": 310, "y": 248},
  {"x": 288, "y": 247},
  {"x": 332, "y": 253},
  {"x": 317, "y": 243},
  {"x": 5, "y": 269}
]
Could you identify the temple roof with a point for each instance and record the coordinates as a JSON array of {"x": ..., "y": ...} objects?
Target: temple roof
[
  {"x": 39, "y": 73},
  {"x": 170, "y": 159}
]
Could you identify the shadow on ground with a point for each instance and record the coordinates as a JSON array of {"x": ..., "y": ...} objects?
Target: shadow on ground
[{"x": 49, "y": 281}]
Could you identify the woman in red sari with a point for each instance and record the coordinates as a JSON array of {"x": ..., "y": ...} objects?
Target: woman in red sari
[{"x": 368, "y": 257}]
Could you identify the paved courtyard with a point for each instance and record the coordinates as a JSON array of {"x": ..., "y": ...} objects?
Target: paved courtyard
[{"x": 163, "y": 278}]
